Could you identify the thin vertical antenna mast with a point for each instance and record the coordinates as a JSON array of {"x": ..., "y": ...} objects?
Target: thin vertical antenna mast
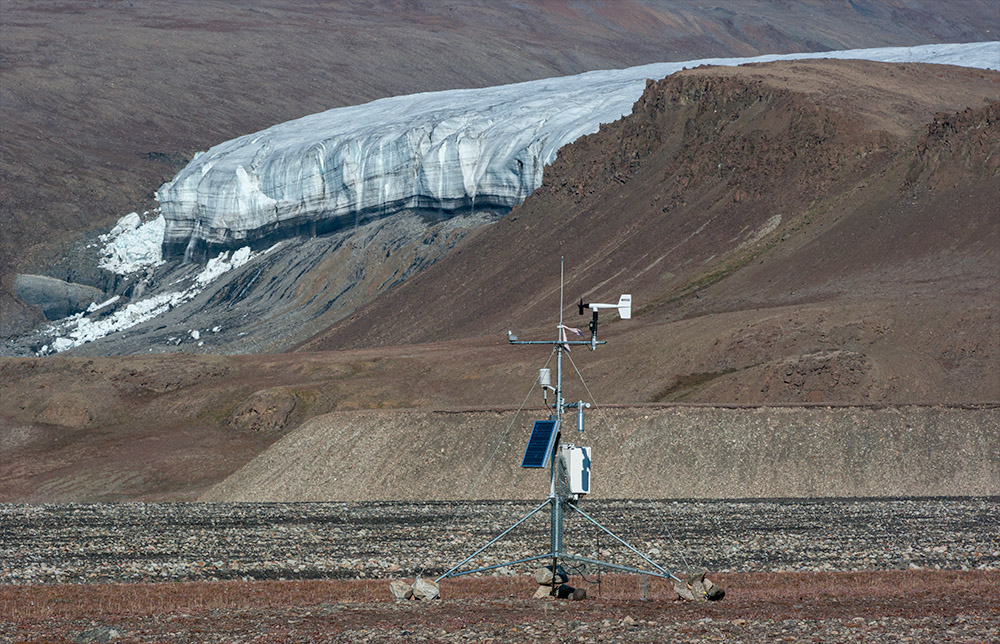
[
  {"x": 559, "y": 403},
  {"x": 556, "y": 511},
  {"x": 559, "y": 347},
  {"x": 562, "y": 263}
]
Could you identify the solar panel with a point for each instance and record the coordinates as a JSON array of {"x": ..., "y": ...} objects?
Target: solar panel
[{"x": 539, "y": 449}]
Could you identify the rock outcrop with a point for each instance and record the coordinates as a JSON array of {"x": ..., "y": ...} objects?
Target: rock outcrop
[{"x": 56, "y": 298}]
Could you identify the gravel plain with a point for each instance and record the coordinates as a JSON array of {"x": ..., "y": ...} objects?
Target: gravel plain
[
  {"x": 925, "y": 571},
  {"x": 138, "y": 542}
]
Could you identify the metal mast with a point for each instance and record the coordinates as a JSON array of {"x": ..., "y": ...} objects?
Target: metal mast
[{"x": 560, "y": 498}]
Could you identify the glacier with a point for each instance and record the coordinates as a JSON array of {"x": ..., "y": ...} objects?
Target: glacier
[
  {"x": 444, "y": 151},
  {"x": 459, "y": 152}
]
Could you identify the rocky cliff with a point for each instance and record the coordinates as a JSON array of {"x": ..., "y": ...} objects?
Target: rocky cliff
[{"x": 804, "y": 231}]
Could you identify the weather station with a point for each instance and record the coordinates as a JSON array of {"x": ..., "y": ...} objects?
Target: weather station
[{"x": 570, "y": 477}]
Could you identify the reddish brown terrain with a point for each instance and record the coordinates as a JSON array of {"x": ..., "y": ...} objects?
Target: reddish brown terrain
[
  {"x": 319, "y": 572},
  {"x": 811, "y": 232},
  {"x": 818, "y": 607},
  {"x": 813, "y": 250},
  {"x": 102, "y": 102}
]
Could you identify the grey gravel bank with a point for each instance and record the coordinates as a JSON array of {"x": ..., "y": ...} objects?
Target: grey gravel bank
[{"x": 133, "y": 542}]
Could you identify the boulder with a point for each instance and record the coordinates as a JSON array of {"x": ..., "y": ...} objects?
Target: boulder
[
  {"x": 698, "y": 588},
  {"x": 544, "y": 576},
  {"x": 713, "y": 592},
  {"x": 425, "y": 590},
  {"x": 99, "y": 635},
  {"x": 401, "y": 590},
  {"x": 56, "y": 298}
]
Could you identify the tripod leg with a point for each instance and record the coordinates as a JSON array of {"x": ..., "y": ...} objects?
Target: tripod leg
[
  {"x": 623, "y": 542},
  {"x": 494, "y": 540}
]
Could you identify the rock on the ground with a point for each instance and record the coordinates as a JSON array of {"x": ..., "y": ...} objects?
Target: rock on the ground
[
  {"x": 99, "y": 635},
  {"x": 56, "y": 298},
  {"x": 424, "y": 589},
  {"x": 400, "y": 590}
]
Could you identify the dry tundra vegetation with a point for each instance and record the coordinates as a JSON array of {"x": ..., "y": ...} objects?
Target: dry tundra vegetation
[{"x": 762, "y": 607}]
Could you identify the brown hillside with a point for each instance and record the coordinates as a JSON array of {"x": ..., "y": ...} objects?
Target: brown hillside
[
  {"x": 101, "y": 102},
  {"x": 833, "y": 220},
  {"x": 878, "y": 285}
]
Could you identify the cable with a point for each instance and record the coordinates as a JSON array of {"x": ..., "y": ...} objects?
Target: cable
[
  {"x": 631, "y": 468},
  {"x": 579, "y": 571}
]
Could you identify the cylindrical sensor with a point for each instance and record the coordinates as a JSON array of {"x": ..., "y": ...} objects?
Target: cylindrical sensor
[{"x": 545, "y": 377}]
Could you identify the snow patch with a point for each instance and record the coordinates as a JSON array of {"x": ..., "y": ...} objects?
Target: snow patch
[
  {"x": 78, "y": 329},
  {"x": 222, "y": 264}
]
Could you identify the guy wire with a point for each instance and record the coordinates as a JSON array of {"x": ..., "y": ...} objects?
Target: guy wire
[
  {"x": 483, "y": 470},
  {"x": 631, "y": 468}
]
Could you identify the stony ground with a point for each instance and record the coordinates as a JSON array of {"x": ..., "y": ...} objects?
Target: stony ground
[
  {"x": 760, "y": 607},
  {"x": 924, "y": 569},
  {"x": 140, "y": 542}
]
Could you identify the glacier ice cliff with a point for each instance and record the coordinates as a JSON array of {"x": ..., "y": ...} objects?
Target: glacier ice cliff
[
  {"x": 132, "y": 244},
  {"x": 340, "y": 172},
  {"x": 444, "y": 151}
]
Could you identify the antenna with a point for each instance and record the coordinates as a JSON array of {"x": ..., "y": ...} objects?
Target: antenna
[{"x": 569, "y": 465}]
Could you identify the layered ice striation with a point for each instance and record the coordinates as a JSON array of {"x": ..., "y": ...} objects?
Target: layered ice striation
[{"x": 444, "y": 151}]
